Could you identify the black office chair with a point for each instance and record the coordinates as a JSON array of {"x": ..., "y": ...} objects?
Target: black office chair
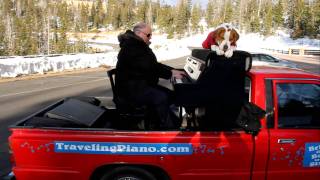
[{"x": 130, "y": 114}]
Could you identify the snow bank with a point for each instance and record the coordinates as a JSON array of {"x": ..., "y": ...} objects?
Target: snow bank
[{"x": 16, "y": 66}]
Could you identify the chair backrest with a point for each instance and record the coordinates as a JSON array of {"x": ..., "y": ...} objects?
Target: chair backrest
[
  {"x": 121, "y": 103},
  {"x": 112, "y": 74},
  {"x": 129, "y": 113}
]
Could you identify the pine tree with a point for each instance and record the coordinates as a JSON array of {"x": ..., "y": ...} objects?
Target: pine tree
[
  {"x": 92, "y": 15},
  {"x": 116, "y": 15},
  {"x": 290, "y": 14},
  {"x": 188, "y": 7},
  {"x": 278, "y": 14},
  {"x": 195, "y": 17},
  {"x": 299, "y": 22},
  {"x": 19, "y": 29},
  {"x": 238, "y": 14},
  {"x": 156, "y": 11},
  {"x": 316, "y": 13},
  {"x": 165, "y": 19},
  {"x": 35, "y": 25},
  {"x": 307, "y": 22},
  {"x": 110, "y": 11},
  {"x": 99, "y": 15},
  {"x": 9, "y": 25},
  {"x": 267, "y": 21},
  {"x": 84, "y": 17},
  {"x": 181, "y": 20},
  {"x": 298, "y": 18},
  {"x": 5, "y": 36},
  {"x": 3, "y": 43},
  {"x": 228, "y": 11},
  {"x": 142, "y": 11},
  {"x": 149, "y": 16},
  {"x": 43, "y": 14},
  {"x": 26, "y": 26},
  {"x": 209, "y": 14},
  {"x": 127, "y": 13},
  {"x": 131, "y": 6},
  {"x": 62, "y": 41},
  {"x": 251, "y": 16}
]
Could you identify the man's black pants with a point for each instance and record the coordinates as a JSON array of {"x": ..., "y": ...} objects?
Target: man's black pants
[{"x": 159, "y": 99}]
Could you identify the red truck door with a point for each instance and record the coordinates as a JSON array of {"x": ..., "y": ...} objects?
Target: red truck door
[
  {"x": 295, "y": 135},
  {"x": 222, "y": 155}
]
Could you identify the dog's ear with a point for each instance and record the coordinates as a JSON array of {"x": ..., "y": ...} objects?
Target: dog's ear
[
  {"x": 219, "y": 33},
  {"x": 234, "y": 36}
]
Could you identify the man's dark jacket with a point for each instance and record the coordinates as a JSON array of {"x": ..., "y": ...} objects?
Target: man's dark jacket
[{"x": 137, "y": 67}]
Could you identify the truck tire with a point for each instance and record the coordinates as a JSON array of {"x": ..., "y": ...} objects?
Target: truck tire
[{"x": 128, "y": 173}]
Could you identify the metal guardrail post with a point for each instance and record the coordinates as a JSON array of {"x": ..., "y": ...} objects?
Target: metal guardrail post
[{"x": 301, "y": 52}]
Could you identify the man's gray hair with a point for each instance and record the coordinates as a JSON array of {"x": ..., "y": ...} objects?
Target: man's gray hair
[{"x": 139, "y": 26}]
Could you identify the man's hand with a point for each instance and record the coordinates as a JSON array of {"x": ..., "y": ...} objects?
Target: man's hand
[{"x": 178, "y": 74}]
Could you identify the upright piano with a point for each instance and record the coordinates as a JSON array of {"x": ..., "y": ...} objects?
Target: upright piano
[{"x": 215, "y": 85}]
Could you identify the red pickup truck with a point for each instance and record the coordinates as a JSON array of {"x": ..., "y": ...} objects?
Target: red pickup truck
[{"x": 287, "y": 145}]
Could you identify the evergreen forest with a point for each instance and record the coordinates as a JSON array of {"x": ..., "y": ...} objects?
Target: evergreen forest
[{"x": 30, "y": 27}]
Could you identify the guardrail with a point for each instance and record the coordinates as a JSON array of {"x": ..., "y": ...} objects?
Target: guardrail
[
  {"x": 301, "y": 51},
  {"x": 278, "y": 50},
  {"x": 312, "y": 52}
]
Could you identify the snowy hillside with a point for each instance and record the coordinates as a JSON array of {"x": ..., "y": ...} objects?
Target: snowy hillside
[{"x": 165, "y": 49}]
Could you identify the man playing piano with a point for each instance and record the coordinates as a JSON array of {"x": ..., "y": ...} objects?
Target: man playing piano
[{"x": 138, "y": 73}]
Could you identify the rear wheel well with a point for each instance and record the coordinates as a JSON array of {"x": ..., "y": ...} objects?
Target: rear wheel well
[{"x": 158, "y": 172}]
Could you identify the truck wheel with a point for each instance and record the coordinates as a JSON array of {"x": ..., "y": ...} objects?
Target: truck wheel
[{"x": 128, "y": 173}]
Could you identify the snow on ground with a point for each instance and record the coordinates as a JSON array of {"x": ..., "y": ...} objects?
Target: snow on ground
[
  {"x": 174, "y": 48},
  {"x": 164, "y": 49},
  {"x": 13, "y": 67},
  {"x": 280, "y": 41}
]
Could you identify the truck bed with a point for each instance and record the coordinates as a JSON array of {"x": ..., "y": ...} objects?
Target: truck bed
[{"x": 74, "y": 113}]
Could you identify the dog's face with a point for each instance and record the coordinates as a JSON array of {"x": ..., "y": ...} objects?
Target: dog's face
[{"x": 225, "y": 36}]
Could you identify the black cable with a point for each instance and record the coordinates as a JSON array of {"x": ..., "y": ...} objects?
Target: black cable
[
  {"x": 253, "y": 156},
  {"x": 268, "y": 157}
]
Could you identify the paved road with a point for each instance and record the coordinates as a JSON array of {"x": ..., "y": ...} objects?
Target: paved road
[
  {"x": 21, "y": 98},
  {"x": 309, "y": 63}
]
